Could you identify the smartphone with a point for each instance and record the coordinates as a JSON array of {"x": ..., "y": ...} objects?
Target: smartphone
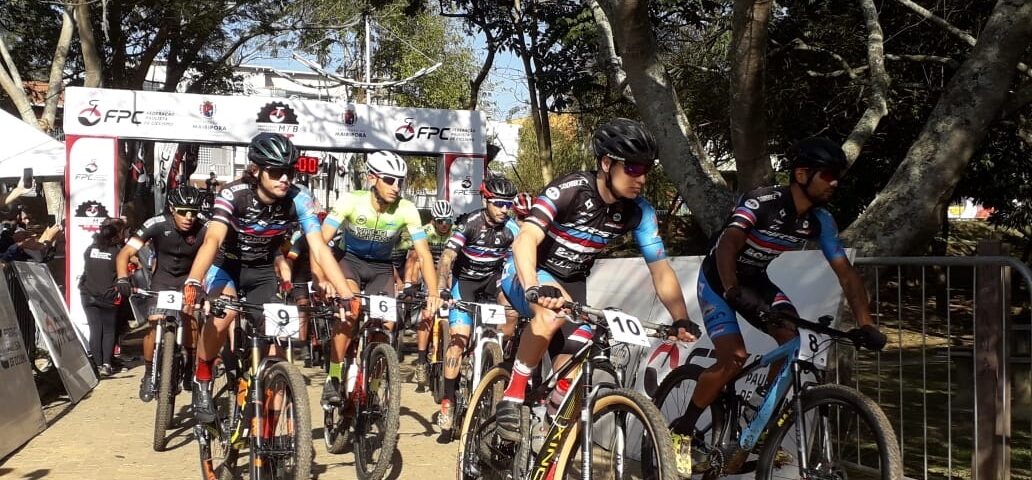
[{"x": 27, "y": 179}]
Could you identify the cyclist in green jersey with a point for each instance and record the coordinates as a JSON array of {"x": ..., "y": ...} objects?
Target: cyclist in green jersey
[
  {"x": 438, "y": 231},
  {"x": 372, "y": 221}
]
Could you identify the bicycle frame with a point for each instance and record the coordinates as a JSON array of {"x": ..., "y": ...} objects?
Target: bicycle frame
[{"x": 169, "y": 320}]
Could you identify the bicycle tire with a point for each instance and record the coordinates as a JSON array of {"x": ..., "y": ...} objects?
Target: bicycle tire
[
  {"x": 437, "y": 382},
  {"x": 672, "y": 399},
  {"x": 336, "y": 431},
  {"x": 292, "y": 430},
  {"x": 220, "y": 462},
  {"x": 819, "y": 400},
  {"x": 386, "y": 415},
  {"x": 492, "y": 357},
  {"x": 166, "y": 395},
  {"x": 476, "y": 427},
  {"x": 663, "y": 464}
]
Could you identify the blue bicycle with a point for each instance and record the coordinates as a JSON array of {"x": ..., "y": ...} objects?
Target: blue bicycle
[{"x": 795, "y": 427}]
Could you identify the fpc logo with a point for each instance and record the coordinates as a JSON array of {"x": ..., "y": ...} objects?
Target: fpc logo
[
  {"x": 91, "y": 116},
  {"x": 405, "y": 132}
]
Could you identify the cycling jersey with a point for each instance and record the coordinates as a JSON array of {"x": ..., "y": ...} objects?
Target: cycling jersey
[
  {"x": 436, "y": 240},
  {"x": 481, "y": 246},
  {"x": 372, "y": 235},
  {"x": 256, "y": 230},
  {"x": 772, "y": 226},
  {"x": 175, "y": 250},
  {"x": 578, "y": 224}
]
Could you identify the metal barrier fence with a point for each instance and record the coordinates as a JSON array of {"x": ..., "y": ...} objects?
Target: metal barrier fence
[{"x": 956, "y": 377}]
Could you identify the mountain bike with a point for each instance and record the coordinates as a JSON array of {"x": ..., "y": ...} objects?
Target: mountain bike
[
  {"x": 369, "y": 416},
  {"x": 589, "y": 435},
  {"x": 483, "y": 352},
  {"x": 798, "y": 426},
  {"x": 261, "y": 401},
  {"x": 169, "y": 369}
]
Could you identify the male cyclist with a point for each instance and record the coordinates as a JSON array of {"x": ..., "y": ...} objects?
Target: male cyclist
[
  {"x": 475, "y": 252},
  {"x": 767, "y": 222},
  {"x": 372, "y": 221},
  {"x": 175, "y": 236},
  {"x": 300, "y": 270},
  {"x": 569, "y": 225},
  {"x": 252, "y": 217},
  {"x": 524, "y": 202},
  {"x": 438, "y": 231}
]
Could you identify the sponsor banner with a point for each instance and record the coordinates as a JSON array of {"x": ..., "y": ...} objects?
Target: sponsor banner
[
  {"x": 805, "y": 277},
  {"x": 311, "y": 124},
  {"x": 461, "y": 176},
  {"x": 91, "y": 180},
  {"x": 66, "y": 346},
  {"x": 21, "y": 416}
]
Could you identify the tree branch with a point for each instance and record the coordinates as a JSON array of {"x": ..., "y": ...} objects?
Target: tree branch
[
  {"x": 799, "y": 44},
  {"x": 11, "y": 82},
  {"x": 55, "y": 85},
  {"x": 877, "y": 104},
  {"x": 90, "y": 53},
  {"x": 607, "y": 57}
]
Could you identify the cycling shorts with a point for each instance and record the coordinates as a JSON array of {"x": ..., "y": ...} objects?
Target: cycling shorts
[
  {"x": 471, "y": 291},
  {"x": 571, "y": 335},
  {"x": 374, "y": 278},
  {"x": 254, "y": 283},
  {"x": 720, "y": 318}
]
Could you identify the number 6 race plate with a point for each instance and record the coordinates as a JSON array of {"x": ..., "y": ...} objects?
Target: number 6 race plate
[
  {"x": 383, "y": 308},
  {"x": 281, "y": 320},
  {"x": 626, "y": 328}
]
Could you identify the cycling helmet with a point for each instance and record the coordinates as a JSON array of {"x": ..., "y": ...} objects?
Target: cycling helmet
[
  {"x": 497, "y": 187},
  {"x": 386, "y": 163},
  {"x": 272, "y": 150},
  {"x": 524, "y": 201},
  {"x": 624, "y": 140},
  {"x": 441, "y": 209},
  {"x": 184, "y": 196},
  {"x": 817, "y": 152}
]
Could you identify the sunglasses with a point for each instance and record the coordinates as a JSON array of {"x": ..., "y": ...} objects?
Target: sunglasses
[
  {"x": 185, "y": 211},
  {"x": 636, "y": 169},
  {"x": 277, "y": 173},
  {"x": 443, "y": 220},
  {"x": 829, "y": 175},
  {"x": 389, "y": 180},
  {"x": 504, "y": 204}
]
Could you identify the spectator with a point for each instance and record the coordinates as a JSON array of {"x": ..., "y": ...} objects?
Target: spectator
[
  {"x": 100, "y": 298},
  {"x": 26, "y": 246}
]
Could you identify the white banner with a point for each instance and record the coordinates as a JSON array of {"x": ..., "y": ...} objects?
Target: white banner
[
  {"x": 21, "y": 416},
  {"x": 313, "y": 124},
  {"x": 92, "y": 184},
  {"x": 460, "y": 180}
]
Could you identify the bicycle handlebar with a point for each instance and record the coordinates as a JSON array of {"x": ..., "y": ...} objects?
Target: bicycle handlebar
[
  {"x": 822, "y": 326},
  {"x": 659, "y": 330}
]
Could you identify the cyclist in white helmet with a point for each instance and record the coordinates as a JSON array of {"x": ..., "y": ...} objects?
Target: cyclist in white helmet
[
  {"x": 438, "y": 231},
  {"x": 372, "y": 221}
]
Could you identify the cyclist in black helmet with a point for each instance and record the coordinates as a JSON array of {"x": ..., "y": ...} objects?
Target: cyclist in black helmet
[
  {"x": 252, "y": 217},
  {"x": 767, "y": 222},
  {"x": 175, "y": 237},
  {"x": 570, "y": 223}
]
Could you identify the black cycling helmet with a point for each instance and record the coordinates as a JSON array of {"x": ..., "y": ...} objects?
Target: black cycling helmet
[
  {"x": 185, "y": 196},
  {"x": 272, "y": 150},
  {"x": 497, "y": 187},
  {"x": 624, "y": 140},
  {"x": 817, "y": 152}
]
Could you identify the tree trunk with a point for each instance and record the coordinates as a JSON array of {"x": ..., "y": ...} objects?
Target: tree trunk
[
  {"x": 10, "y": 81},
  {"x": 55, "y": 85},
  {"x": 538, "y": 110},
  {"x": 474, "y": 86},
  {"x": 748, "y": 109},
  {"x": 90, "y": 52},
  {"x": 607, "y": 57},
  {"x": 909, "y": 208},
  {"x": 877, "y": 103},
  {"x": 684, "y": 160}
]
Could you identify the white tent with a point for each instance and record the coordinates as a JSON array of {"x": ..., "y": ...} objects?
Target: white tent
[{"x": 22, "y": 146}]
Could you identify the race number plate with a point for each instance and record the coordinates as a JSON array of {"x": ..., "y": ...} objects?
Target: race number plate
[
  {"x": 813, "y": 348},
  {"x": 383, "y": 308},
  {"x": 491, "y": 314},
  {"x": 281, "y": 320},
  {"x": 169, "y": 300},
  {"x": 626, "y": 328}
]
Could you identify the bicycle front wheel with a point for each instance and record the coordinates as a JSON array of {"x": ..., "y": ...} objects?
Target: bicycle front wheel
[
  {"x": 218, "y": 454},
  {"x": 376, "y": 426},
  {"x": 847, "y": 437},
  {"x": 481, "y": 453},
  {"x": 286, "y": 429},
  {"x": 166, "y": 396}
]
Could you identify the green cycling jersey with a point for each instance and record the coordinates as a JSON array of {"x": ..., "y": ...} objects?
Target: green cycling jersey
[{"x": 372, "y": 235}]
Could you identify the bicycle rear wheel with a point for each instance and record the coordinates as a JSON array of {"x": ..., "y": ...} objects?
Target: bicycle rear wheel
[
  {"x": 166, "y": 396},
  {"x": 218, "y": 455},
  {"x": 437, "y": 362},
  {"x": 619, "y": 451},
  {"x": 286, "y": 432},
  {"x": 376, "y": 425},
  {"x": 847, "y": 437}
]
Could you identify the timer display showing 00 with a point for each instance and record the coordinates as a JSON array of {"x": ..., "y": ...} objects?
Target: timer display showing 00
[{"x": 307, "y": 165}]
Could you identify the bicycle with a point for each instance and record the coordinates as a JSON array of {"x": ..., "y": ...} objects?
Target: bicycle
[
  {"x": 169, "y": 370},
  {"x": 260, "y": 401},
  {"x": 483, "y": 352},
  {"x": 568, "y": 444},
  {"x": 736, "y": 427},
  {"x": 371, "y": 411}
]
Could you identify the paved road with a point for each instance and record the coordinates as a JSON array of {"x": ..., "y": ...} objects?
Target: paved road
[{"x": 108, "y": 435}]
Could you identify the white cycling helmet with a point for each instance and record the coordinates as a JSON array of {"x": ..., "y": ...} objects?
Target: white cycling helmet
[
  {"x": 386, "y": 163},
  {"x": 441, "y": 209}
]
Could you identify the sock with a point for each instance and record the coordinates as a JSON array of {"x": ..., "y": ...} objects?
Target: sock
[
  {"x": 336, "y": 370},
  {"x": 449, "y": 389},
  {"x": 421, "y": 357},
  {"x": 685, "y": 424},
  {"x": 203, "y": 371},
  {"x": 517, "y": 388}
]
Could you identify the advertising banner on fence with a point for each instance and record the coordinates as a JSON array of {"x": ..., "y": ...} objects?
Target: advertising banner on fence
[
  {"x": 311, "y": 124},
  {"x": 21, "y": 415},
  {"x": 65, "y": 344},
  {"x": 460, "y": 181}
]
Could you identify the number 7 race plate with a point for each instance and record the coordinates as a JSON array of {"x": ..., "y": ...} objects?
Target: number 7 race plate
[{"x": 626, "y": 328}]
